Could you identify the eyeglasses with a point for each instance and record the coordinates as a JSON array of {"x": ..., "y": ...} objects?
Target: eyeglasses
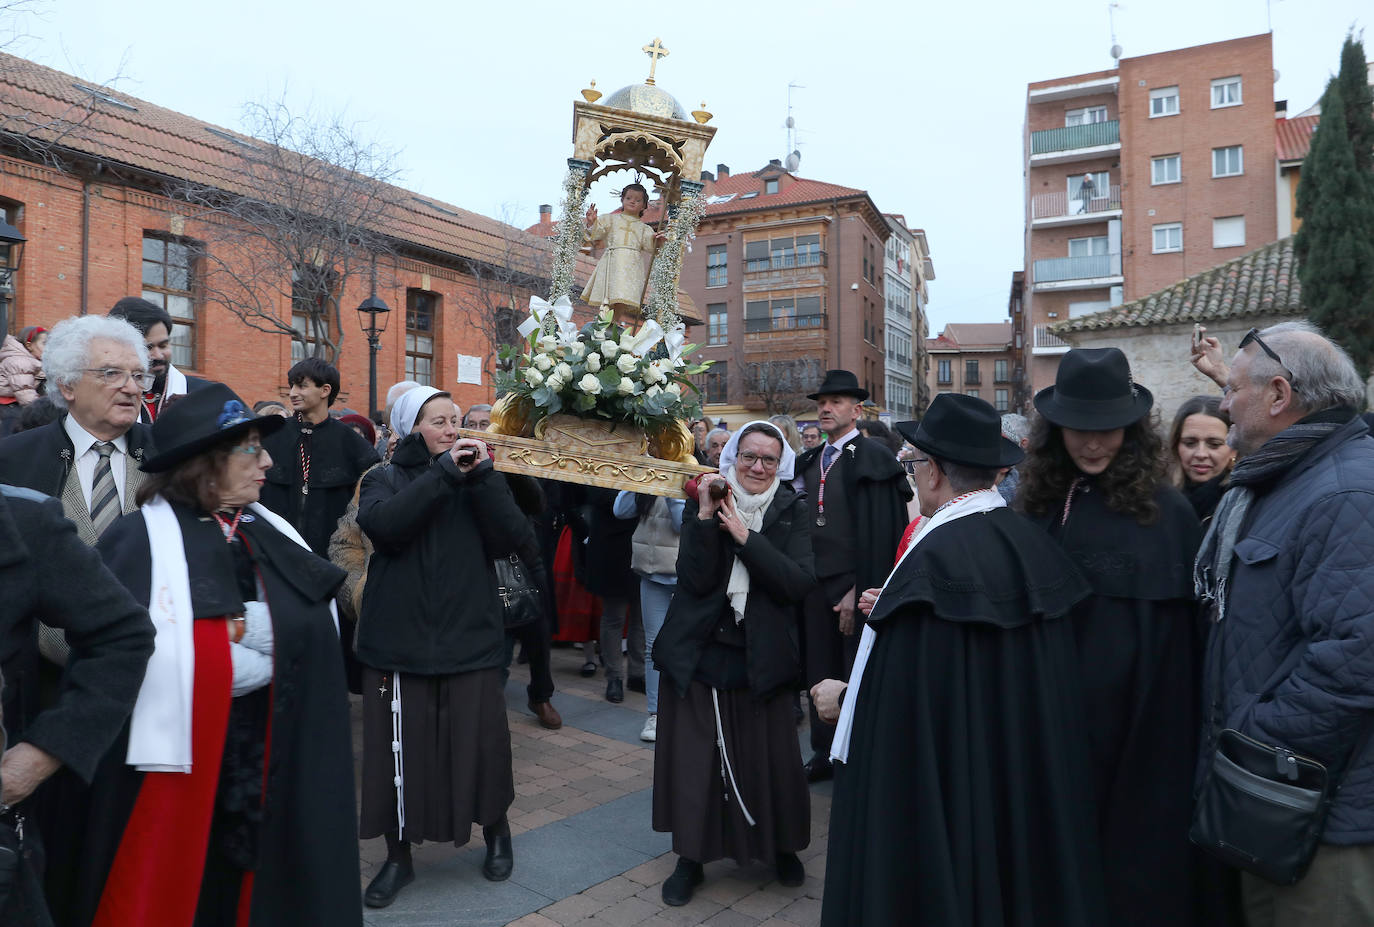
[
  {"x": 252, "y": 450},
  {"x": 909, "y": 465},
  {"x": 1253, "y": 336},
  {"x": 114, "y": 377},
  {"x": 749, "y": 458}
]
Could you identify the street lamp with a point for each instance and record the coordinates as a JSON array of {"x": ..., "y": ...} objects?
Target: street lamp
[
  {"x": 372, "y": 316},
  {"x": 13, "y": 243}
]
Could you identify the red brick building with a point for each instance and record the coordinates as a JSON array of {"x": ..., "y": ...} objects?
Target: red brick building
[
  {"x": 788, "y": 274},
  {"x": 99, "y": 227},
  {"x": 975, "y": 359},
  {"x": 1141, "y": 176}
]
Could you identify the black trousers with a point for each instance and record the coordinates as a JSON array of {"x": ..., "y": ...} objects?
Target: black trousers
[
  {"x": 535, "y": 639},
  {"x": 827, "y": 653}
]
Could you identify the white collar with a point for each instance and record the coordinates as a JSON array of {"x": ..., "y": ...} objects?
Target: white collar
[
  {"x": 853, "y": 433},
  {"x": 83, "y": 440}
]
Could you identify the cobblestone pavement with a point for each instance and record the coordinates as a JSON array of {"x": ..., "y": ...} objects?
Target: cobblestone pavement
[{"x": 585, "y": 851}]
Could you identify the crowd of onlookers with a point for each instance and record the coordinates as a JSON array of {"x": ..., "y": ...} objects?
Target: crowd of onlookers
[{"x": 1036, "y": 698}]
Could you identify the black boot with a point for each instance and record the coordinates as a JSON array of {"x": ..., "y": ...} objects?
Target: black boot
[
  {"x": 396, "y": 873},
  {"x": 791, "y": 873},
  {"x": 500, "y": 859},
  {"x": 677, "y": 890}
]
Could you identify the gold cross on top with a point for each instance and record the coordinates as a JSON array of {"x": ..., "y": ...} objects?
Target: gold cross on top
[{"x": 655, "y": 51}]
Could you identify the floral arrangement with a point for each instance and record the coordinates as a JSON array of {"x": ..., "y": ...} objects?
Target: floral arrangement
[{"x": 604, "y": 370}]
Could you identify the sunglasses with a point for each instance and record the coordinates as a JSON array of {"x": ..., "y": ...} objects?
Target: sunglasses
[{"x": 1252, "y": 336}]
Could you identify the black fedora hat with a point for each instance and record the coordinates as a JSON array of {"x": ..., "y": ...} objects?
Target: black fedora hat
[
  {"x": 840, "y": 383},
  {"x": 198, "y": 421},
  {"x": 1093, "y": 391},
  {"x": 963, "y": 430}
]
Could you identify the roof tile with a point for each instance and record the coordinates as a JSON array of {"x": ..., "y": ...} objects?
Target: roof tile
[{"x": 1263, "y": 282}]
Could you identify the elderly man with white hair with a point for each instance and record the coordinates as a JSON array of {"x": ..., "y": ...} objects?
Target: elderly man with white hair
[
  {"x": 1287, "y": 566},
  {"x": 97, "y": 370}
]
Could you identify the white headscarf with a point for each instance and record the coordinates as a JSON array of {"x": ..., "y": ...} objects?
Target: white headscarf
[
  {"x": 751, "y": 506},
  {"x": 785, "y": 466},
  {"x": 407, "y": 408}
]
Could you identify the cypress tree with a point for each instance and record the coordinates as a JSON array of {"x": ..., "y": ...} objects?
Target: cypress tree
[
  {"x": 1335, "y": 246},
  {"x": 1359, "y": 102}
]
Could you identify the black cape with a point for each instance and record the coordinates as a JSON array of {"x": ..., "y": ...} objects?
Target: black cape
[
  {"x": 1140, "y": 652},
  {"x": 307, "y": 863},
  {"x": 338, "y": 459},
  {"x": 962, "y": 800}
]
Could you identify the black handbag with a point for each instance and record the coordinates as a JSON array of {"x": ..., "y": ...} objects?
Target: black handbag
[
  {"x": 1262, "y": 808},
  {"x": 522, "y": 601}
]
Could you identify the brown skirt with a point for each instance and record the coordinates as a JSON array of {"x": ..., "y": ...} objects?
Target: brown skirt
[
  {"x": 456, "y": 749},
  {"x": 690, "y": 799}
]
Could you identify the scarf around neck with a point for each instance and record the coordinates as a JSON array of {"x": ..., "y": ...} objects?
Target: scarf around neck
[
  {"x": 751, "y": 508},
  {"x": 1278, "y": 455}
]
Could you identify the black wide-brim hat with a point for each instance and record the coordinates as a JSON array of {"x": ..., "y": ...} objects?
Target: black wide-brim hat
[
  {"x": 1093, "y": 391},
  {"x": 839, "y": 383},
  {"x": 963, "y": 430},
  {"x": 200, "y": 420}
]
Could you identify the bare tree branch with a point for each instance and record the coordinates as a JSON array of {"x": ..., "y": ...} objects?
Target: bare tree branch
[
  {"x": 780, "y": 386},
  {"x": 502, "y": 287},
  {"x": 301, "y": 216}
]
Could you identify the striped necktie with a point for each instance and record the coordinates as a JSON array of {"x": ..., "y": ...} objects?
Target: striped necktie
[{"x": 105, "y": 506}]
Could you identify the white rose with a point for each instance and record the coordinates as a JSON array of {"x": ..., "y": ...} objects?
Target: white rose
[
  {"x": 593, "y": 362},
  {"x": 564, "y": 372},
  {"x": 675, "y": 389},
  {"x": 543, "y": 362},
  {"x": 555, "y": 382},
  {"x": 653, "y": 390},
  {"x": 626, "y": 363},
  {"x": 609, "y": 349},
  {"x": 626, "y": 387},
  {"x": 576, "y": 350},
  {"x": 548, "y": 344},
  {"x": 533, "y": 377},
  {"x": 589, "y": 384}
]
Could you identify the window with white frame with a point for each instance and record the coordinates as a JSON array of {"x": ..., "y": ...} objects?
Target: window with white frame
[
  {"x": 1164, "y": 102},
  {"x": 1088, "y": 247},
  {"x": 1085, "y": 115},
  {"x": 1166, "y": 169},
  {"x": 1228, "y": 162},
  {"x": 1225, "y": 92},
  {"x": 1084, "y": 189},
  {"x": 716, "y": 271},
  {"x": 1168, "y": 237},
  {"x": 1228, "y": 232}
]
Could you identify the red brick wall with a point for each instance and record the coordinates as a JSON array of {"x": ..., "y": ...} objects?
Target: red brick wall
[
  {"x": 1193, "y": 133},
  {"x": 253, "y": 363}
]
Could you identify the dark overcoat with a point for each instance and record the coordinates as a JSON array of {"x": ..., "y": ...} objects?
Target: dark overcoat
[{"x": 779, "y": 560}]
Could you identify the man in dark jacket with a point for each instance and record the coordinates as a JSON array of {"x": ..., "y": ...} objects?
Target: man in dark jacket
[
  {"x": 1288, "y": 563},
  {"x": 857, "y": 494},
  {"x": 317, "y": 461},
  {"x": 46, "y": 570}
]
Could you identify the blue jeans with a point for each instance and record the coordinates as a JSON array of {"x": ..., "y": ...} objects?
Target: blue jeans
[{"x": 653, "y": 606}]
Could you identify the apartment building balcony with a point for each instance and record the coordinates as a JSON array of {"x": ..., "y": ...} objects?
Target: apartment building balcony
[
  {"x": 1075, "y": 143},
  {"x": 1073, "y": 88},
  {"x": 1077, "y": 273},
  {"x": 785, "y": 271},
  {"x": 1045, "y": 341},
  {"x": 785, "y": 333},
  {"x": 1049, "y": 210}
]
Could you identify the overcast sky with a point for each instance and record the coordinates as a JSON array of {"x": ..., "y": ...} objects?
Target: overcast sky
[{"x": 921, "y": 104}]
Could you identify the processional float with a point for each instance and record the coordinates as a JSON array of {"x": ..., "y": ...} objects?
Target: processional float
[{"x": 608, "y": 404}]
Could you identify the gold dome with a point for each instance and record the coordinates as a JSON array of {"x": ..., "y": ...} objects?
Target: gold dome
[{"x": 649, "y": 99}]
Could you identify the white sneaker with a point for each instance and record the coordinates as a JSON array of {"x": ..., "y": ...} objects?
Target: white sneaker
[{"x": 650, "y": 732}]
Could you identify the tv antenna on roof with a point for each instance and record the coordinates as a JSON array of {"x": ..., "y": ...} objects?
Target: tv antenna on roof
[
  {"x": 793, "y": 159},
  {"x": 1112, "y": 7}
]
